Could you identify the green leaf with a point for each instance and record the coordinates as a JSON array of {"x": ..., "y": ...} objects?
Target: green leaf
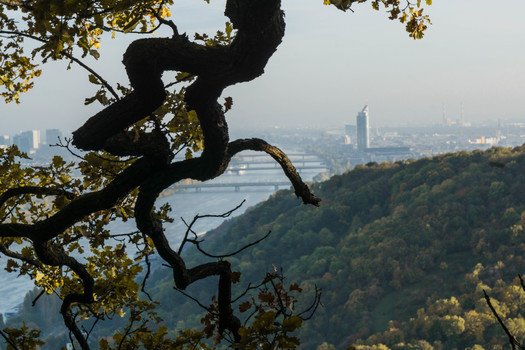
[
  {"x": 292, "y": 323},
  {"x": 93, "y": 79},
  {"x": 188, "y": 154},
  {"x": 229, "y": 29},
  {"x": 94, "y": 53}
]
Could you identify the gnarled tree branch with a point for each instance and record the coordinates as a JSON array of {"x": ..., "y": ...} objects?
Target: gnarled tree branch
[
  {"x": 260, "y": 25},
  {"x": 301, "y": 189},
  {"x": 36, "y": 190}
]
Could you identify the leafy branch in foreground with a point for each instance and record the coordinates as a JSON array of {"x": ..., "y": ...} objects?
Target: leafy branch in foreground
[{"x": 54, "y": 219}]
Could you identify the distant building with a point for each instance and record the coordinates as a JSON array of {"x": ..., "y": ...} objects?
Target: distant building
[
  {"x": 22, "y": 142},
  {"x": 4, "y": 140},
  {"x": 491, "y": 141},
  {"x": 350, "y": 130},
  {"x": 363, "y": 132},
  {"x": 36, "y": 138},
  {"x": 53, "y": 136},
  {"x": 350, "y": 134},
  {"x": 27, "y": 140}
]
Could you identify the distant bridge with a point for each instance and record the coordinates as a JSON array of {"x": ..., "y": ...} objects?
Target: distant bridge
[
  {"x": 239, "y": 169},
  {"x": 290, "y": 155},
  {"x": 241, "y": 164},
  {"x": 271, "y": 161},
  {"x": 235, "y": 185}
]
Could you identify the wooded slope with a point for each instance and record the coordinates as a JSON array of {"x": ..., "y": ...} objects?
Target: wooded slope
[
  {"x": 402, "y": 252},
  {"x": 392, "y": 239}
]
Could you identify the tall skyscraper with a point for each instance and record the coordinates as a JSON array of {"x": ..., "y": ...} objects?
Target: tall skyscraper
[{"x": 363, "y": 133}]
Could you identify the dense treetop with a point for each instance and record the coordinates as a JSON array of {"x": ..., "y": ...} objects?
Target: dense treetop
[{"x": 402, "y": 251}]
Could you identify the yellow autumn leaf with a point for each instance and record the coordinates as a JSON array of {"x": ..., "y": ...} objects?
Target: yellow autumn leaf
[{"x": 39, "y": 276}]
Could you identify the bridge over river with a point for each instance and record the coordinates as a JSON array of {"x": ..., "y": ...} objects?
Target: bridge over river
[
  {"x": 235, "y": 185},
  {"x": 259, "y": 170}
]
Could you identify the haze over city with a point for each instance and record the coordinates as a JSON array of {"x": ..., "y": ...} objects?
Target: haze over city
[{"x": 332, "y": 63}]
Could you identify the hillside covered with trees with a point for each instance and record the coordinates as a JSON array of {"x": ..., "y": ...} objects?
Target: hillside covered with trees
[{"x": 402, "y": 252}]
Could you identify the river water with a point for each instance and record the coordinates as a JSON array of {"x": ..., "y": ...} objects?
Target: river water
[{"x": 185, "y": 204}]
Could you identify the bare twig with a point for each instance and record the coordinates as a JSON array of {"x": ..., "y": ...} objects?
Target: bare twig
[
  {"x": 169, "y": 23},
  {"x": 198, "y": 217},
  {"x": 237, "y": 251},
  {"x": 128, "y": 332},
  {"x": 313, "y": 307},
  {"x": 513, "y": 342},
  {"x": 38, "y": 297},
  {"x": 129, "y": 235},
  {"x": 195, "y": 300},
  {"x": 148, "y": 271},
  {"x": 10, "y": 211},
  {"x": 186, "y": 78},
  {"x": 277, "y": 292},
  {"x": 250, "y": 316},
  {"x": 67, "y": 144},
  {"x": 197, "y": 243},
  {"x": 88, "y": 333},
  {"x": 248, "y": 288},
  {"x": 115, "y": 160}
]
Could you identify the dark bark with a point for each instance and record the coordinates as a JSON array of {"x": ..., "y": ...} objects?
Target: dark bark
[{"x": 260, "y": 26}]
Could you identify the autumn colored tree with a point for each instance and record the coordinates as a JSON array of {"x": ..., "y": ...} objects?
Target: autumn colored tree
[{"x": 50, "y": 216}]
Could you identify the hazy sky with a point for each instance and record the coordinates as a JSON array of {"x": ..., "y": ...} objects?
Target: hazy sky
[{"x": 331, "y": 64}]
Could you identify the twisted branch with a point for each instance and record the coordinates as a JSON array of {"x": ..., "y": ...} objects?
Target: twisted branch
[
  {"x": 255, "y": 144},
  {"x": 36, "y": 190},
  {"x": 260, "y": 26},
  {"x": 54, "y": 255}
]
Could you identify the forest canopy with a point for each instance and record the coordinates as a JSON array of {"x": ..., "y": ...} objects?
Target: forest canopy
[{"x": 403, "y": 252}]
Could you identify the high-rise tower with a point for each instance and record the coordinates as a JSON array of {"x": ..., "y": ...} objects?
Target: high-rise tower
[{"x": 363, "y": 134}]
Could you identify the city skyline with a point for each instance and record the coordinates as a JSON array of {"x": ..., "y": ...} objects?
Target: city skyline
[
  {"x": 31, "y": 140},
  {"x": 331, "y": 63},
  {"x": 357, "y": 142}
]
